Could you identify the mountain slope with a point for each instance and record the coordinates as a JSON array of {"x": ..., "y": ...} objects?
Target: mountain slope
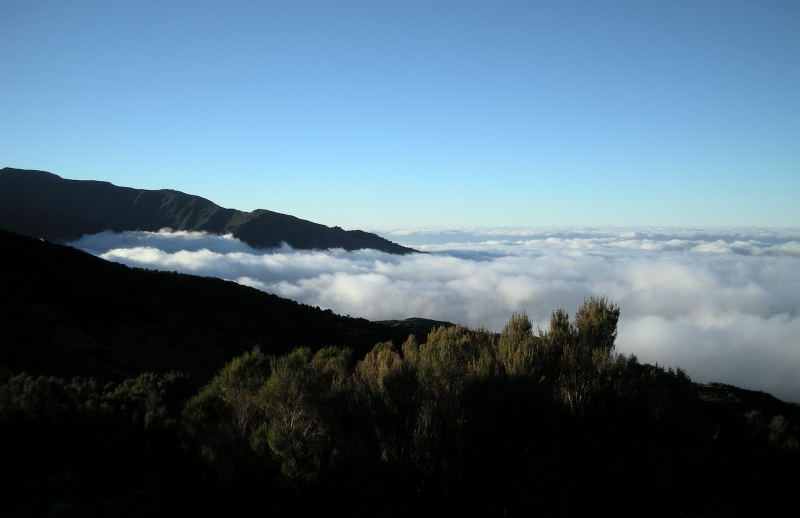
[
  {"x": 65, "y": 312},
  {"x": 42, "y": 204}
]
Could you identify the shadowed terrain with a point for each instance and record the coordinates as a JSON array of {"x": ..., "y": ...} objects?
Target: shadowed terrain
[
  {"x": 41, "y": 204},
  {"x": 142, "y": 393},
  {"x": 68, "y": 313}
]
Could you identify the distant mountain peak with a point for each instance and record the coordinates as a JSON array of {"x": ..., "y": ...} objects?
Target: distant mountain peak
[
  {"x": 43, "y": 204},
  {"x": 29, "y": 172}
]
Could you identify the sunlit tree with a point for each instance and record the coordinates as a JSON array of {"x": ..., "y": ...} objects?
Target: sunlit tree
[{"x": 300, "y": 401}]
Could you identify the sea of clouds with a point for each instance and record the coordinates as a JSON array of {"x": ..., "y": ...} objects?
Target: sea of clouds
[{"x": 722, "y": 304}]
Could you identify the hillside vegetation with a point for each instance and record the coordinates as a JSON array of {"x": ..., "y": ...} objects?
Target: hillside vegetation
[{"x": 461, "y": 423}]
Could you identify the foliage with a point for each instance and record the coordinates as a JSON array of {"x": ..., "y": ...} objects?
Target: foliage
[
  {"x": 464, "y": 422},
  {"x": 301, "y": 398}
]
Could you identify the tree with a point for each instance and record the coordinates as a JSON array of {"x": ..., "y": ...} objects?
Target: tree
[
  {"x": 223, "y": 415},
  {"x": 587, "y": 350},
  {"x": 516, "y": 347},
  {"x": 300, "y": 400},
  {"x": 388, "y": 386},
  {"x": 596, "y": 323}
]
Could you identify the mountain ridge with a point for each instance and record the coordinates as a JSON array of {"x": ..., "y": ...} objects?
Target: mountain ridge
[
  {"x": 68, "y": 313},
  {"x": 43, "y": 204}
]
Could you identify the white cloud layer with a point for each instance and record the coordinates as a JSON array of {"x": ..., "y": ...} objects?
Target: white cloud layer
[{"x": 724, "y": 305}]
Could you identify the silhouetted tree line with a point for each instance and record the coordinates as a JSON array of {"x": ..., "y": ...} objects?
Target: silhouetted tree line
[{"x": 472, "y": 423}]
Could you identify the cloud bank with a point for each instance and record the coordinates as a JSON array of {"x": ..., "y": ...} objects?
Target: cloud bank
[{"x": 723, "y": 305}]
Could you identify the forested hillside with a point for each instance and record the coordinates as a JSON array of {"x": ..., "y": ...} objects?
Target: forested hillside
[{"x": 459, "y": 423}]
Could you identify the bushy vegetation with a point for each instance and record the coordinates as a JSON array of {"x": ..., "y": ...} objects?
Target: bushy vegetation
[{"x": 547, "y": 422}]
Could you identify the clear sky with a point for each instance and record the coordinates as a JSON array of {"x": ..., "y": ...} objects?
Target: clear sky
[{"x": 380, "y": 114}]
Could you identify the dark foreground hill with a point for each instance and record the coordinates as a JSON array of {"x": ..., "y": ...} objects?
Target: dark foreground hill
[
  {"x": 41, "y": 204},
  {"x": 68, "y": 313},
  {"x": 454, "y": 422}
]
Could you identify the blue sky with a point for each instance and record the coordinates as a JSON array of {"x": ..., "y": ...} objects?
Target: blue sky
[{"x": 382, "y": 114}]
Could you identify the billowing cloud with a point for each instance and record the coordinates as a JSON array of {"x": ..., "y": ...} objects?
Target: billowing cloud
[{"x": 723, "y": 305}]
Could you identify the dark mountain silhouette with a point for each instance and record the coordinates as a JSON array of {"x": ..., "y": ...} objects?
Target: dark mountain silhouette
[
  {"x": 41, "y": 204},
  {"x": 414, "y": 326},
  {"x": 68, "y": 313}
]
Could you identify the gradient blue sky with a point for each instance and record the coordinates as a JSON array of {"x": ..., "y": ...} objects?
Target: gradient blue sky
[{"x": 382, "y": 114}]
